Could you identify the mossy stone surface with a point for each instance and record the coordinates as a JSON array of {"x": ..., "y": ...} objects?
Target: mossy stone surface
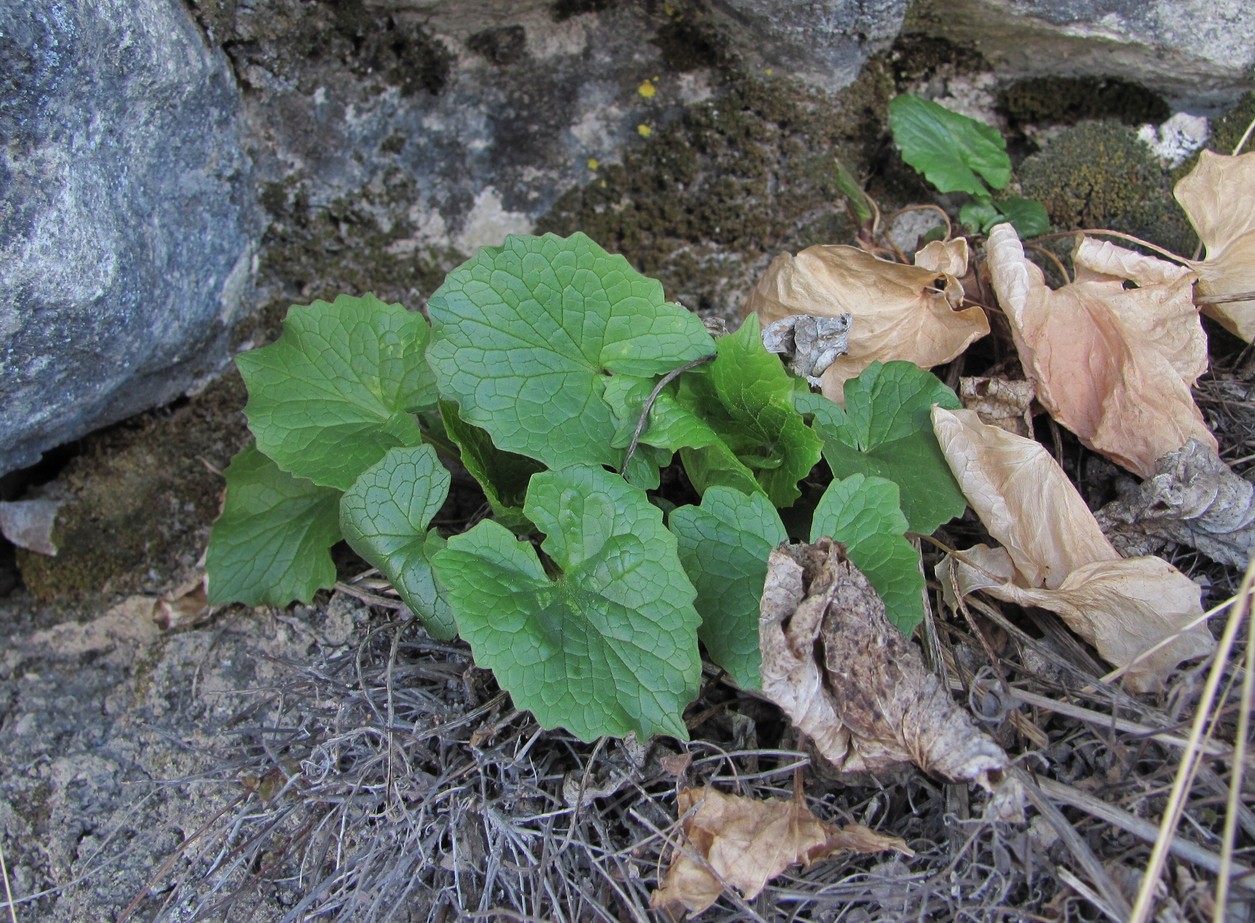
[
  {"x": 140, "y": 499},
  {"x": 706, "y": 200},
  {"x": 1100, "y": 175}
]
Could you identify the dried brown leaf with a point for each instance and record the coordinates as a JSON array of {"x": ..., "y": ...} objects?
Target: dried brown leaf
[
  {"x": 1194, "y": 499},
  {"x": 744, "y": 843},
  {"x": 1056, "y": 557},
  {"x": 1218, "y": 195},
  {"x": 29, "y": 524},
  {"x": 1112, "y": 364},
  {"x": 1023, "y": 497},
  {"x": 898, "y": 311},
  {"x": 870, "y": 704},
  {"x": 1000, "y": 402},
  {"x": 186, "y": 606}
]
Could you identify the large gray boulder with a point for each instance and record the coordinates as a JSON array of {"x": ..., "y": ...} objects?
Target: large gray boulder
[
  {"x": 127, "y": 223},
  {"x": 823, "y": 42},
  {"x": 1198, "y": 56}
]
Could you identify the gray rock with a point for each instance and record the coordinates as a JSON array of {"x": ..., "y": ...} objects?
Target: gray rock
[
  {"x": 823, "y": 42},
  {"x": 127, "y": 225},
  {"x": 1197, "y": 56}
]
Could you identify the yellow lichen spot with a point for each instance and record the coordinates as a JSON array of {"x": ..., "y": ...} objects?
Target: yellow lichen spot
[
  {"x": 644, "y": 130},
  {"x": 593, "y": 163},
  {"x": 647, "y": 89},
  {"x": 768, "y": 71},
  {"x": 602, "y": 184}
]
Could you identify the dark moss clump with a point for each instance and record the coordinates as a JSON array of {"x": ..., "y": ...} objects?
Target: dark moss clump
[
  {"x": 141, "y": 497},
  {"x": 312, "y": 252},
  {"x": 916, "y": 56},
  {"x": 703, "y": 201},
  {"x": 689, "y": 42},
  {"x": 1099, "y": 175},
  {"x": 284, "y": 35},
  {"x": 499, "y": 45},
  {"x": 1227, "y": 130},
  {"x": 1069, "y": 100},
  {"x": 565, "y": 9}
]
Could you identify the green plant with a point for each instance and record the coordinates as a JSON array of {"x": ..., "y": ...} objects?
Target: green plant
[
  {"x": 959, "y": 154},
  {"x": 564, "y": 383}
]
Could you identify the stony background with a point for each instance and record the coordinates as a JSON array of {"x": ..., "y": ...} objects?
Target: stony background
[{"x": 174, "y": 176}]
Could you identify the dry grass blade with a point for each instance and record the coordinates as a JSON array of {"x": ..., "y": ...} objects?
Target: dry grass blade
[
  {"x": 1112, "y": 901},
  {"x": 1209, "y": 747},
  {"x": 1190, "y": 759},
  {"x": 8, "y": 891},
  {"x": 1234, "y": 804},
  {"x": 1143, "y": 829}
]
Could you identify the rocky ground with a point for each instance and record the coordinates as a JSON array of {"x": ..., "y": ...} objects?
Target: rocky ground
[{"x": 161, "y": 762}]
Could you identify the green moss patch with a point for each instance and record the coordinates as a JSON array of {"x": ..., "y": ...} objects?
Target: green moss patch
[
  {"x": 1099, "y": 175},
  {"x": 702, "y": 201},
  {"x": 141, "y": 496}
]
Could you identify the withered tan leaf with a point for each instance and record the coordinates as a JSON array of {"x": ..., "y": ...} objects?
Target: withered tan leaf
[
  {"x": 870, "y": 704},
  {"x": 1112, "y": 364},
  {"x": 744, "y": 843},
  {"x": 898, "y": 311},
  {"x": 1194, "y": 499},
  {"x": 186, "y": 606},
  {"x": 1218, "y": 195},
  {"x": 1023, "y": 497},
  {"x": 1056, "y": 557},
  {"x": 1000, "y": 402}
]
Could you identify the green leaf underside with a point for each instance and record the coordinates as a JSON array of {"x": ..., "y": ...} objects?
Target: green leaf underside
[
  {"x": 272, "y": 543},
  {"x": 850, "y": 187},
  {"x": 525, "y": 334},
  {"x": 607, "y": 647},
  {"x": 1027, "y": 215},
  {"x": 980, "y": 216},
  {"x": 734, "y": 421},
  {"x": 948, "y": 148},
  {"x": 338, "y": 388},
  {"x": 502, "y": 475},
  {"x": 724, "y": 545},
  {"x": 864, "y": 515},
  {"x": 384, "y": 517},
  {"x": 885, "y": 429}
]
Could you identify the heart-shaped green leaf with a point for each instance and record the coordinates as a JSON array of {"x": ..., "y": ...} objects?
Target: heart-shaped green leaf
[
  {"x": 384, "y": 517},
  {"x": 885, "y": 429},
  {"x": 272, "y": 543},
  {"x": 526, "y": 334},
  {"x": 733, "y": 420},
  {"x": 339, "y": 388},
  {"x": 948, "y": 148},
  {"x": 724, "y": 545},
  {"x": 863, "y": 514},
  {"x": 607, "y": 646}
]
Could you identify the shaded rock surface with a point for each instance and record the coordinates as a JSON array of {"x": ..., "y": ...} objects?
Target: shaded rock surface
[
  {"x": 109, "y": 725},
  {"x": 1198, "y": 56},
  {"x": 127, "y": 220}
]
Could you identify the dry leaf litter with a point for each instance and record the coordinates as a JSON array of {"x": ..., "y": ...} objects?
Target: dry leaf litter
[{"x": 394, "y": 780}]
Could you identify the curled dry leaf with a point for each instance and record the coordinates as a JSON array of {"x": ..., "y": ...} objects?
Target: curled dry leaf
[
  {"x": 898, "y": 311},
  {"x": 862, "y": 694},
  {"x": 186, "y": 606},
  {"x": 1000, "y": 402},
  {"x": 811, "y": 344},
  {"x": 1112, "y": 364},
  {"x": 1056, "y": 557},
  {"x": 1218, "y": 195},
  {"x": 745, "y": 843},
  {"x": 1194, "y": 499},
  {"x": 29, "y": 523}
]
